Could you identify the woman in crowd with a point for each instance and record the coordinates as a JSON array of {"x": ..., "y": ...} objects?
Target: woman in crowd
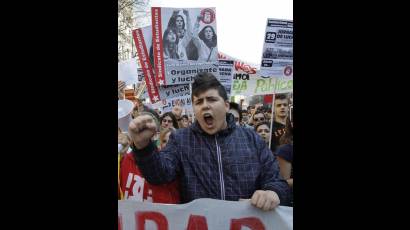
[
  {"x": 263, "y": 129},
  {"x": 168, "y": 120}
]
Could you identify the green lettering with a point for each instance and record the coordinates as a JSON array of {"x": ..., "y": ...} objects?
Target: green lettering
[{"x": 260, "y": 86}]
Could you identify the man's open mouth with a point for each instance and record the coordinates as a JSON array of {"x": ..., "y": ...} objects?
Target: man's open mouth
[{"x": 209, "y": 120}]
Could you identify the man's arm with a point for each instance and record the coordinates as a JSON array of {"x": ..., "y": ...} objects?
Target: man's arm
[
  {"x": 274, "y": 190},
  {"x": 157, "y": 167}
]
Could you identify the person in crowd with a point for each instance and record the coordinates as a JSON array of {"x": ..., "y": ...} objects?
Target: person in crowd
[
  {"x": 213, "y": 158},
  {"x": 235, "y": 111},
  {"x": 168, "y": 120},
  {"x": 185, "y": 121},
  {"x": 133, "y": 184},
  {"x": 284, "y": 155},
  {"x": 281, "y": 113},
  {"x": 258, "y": 117},
  {"x": 263, "y": 129}
]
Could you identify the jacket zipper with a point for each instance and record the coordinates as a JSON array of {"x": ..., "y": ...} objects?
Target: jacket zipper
[{"x": 221, "y": 175}]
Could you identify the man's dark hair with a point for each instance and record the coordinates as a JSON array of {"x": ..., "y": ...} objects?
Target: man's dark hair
[
  {"x": 173, "y": 118},
  {"x": 258, "y": 111},
  {"x": 262, "y": 123},
  {"x": 281, "y": 96},
  {"x": 185, "y": 116},
  {"x": 205, "y": 81},
  {"x": 235, "y": 106}
]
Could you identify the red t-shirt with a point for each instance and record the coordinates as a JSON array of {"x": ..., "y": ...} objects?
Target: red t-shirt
[{"x": 135, "y": 187}]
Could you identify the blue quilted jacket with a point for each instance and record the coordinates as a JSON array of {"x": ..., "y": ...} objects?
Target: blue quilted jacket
[{"x": 229, "y": 165}]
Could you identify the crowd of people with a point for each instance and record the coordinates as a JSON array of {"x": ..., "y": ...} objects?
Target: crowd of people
[{"x": 221, "y": 153}]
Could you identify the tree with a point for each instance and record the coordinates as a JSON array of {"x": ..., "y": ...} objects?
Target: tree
[{"x": 131, "y": 14}]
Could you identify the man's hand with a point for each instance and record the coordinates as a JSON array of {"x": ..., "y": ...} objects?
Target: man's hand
[
  {"x": 141, "y": 130},
  {"x": 265, "y": 200}
]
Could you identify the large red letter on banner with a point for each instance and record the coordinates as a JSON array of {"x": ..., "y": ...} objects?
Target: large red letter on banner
[
  {"x": 250, "y": 222},
  {"x": 197, "y": 223},
  {"x": 158, "y": 218}
]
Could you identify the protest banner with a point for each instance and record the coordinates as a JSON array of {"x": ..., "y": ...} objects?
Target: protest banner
[
  {"x": 240, "y": 66},
  {"x": 201, "y": 214},
  {"x": 128, "y": 71},
  {"x": 181, "y": 47},
  {"x": 143, "y": 40},
  {"x": 184, "y": 101},
  {"x": 226, "y": 72},
  {"x": 277, "y": 55},
  {"x": 255, "y": 84},
  {"x": 171, "y": 91}
]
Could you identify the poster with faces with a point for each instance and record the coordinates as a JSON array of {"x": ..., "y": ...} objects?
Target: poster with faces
[{"x": 184, "y": 43}]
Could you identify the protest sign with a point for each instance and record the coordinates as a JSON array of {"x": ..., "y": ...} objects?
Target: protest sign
[
  {"x": 171, "y": 91},
  {"x": 181, "y": 47},
  {"x": 202, "y": 214},
  {"x": 226, "y": 72},
  {"x": 255, "y": 84},
  {"x": 128, "y": 71},
  {"x": 143, "y": 40},
  {"x": 240, "y": 66},
  {"x": 184, "y": 101},
  {"x": 277, "y": 56}
]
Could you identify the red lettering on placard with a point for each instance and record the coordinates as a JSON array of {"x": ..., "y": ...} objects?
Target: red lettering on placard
[
  {"x": 159, "y": 219},
  {"x": 250, "y": 222},
  {"x": 197, "y": 223}
]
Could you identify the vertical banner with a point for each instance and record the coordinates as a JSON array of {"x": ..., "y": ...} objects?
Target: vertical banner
[
  {"x": 143, "y": 40},
  {"x": 226, "y": 72},
  {"x": 277, "y": 54},
  {"x": 185, "y": 43}
]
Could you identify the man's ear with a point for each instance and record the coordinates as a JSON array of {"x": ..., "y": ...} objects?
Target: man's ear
[{"x": 227, "y": 106}]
